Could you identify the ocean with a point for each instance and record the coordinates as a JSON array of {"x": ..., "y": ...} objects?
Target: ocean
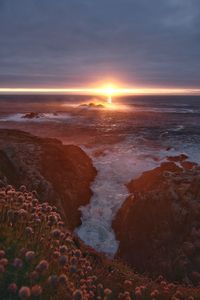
[{"x": 124, "y": 142}]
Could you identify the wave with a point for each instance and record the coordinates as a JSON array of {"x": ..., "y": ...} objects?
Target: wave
[{"x": 44, "y": 117}]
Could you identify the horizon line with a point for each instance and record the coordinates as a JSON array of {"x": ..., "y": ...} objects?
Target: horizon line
[{"x": 103, "y": 91}]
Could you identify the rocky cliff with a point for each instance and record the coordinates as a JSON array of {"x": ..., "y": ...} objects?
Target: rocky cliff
[
  {"x": 60, "y": 173},
  {"x": 158, "y": 226}
]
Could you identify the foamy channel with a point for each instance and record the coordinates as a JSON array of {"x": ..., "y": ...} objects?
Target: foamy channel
[{"x": 116, "y": 167}]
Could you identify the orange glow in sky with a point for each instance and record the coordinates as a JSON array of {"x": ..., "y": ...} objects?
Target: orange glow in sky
[{"x": 106, "y": 90}]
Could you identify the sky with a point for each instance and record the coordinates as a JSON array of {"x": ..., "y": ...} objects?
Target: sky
[{"x": 64, "y": 43}]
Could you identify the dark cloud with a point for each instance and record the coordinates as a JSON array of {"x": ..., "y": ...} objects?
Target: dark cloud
[{"x": 76, "y": 42}]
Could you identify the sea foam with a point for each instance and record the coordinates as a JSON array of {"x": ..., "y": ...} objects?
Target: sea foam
[{"x": 116, "y": 167}]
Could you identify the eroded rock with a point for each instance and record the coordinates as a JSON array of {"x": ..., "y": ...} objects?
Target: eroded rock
[
  {"x": 158, "y": 224},
  {"x": 61, "y": 174}
]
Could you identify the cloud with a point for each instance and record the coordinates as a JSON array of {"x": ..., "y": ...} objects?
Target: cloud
[{"x": 76, "y": 42}]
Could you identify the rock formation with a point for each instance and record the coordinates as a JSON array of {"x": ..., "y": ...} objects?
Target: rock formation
[
  {"x": 60, "y": 173},
  {"x": 158, "y": 225}
]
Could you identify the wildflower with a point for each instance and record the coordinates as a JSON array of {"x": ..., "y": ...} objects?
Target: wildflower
[
  {"x": 77, "y": 253},
  {"x": 127, "y": 296},
  {"x": 154, "y": 294},
  {"x": 56, "y": 254},
  {"x": 53, "y": 280},
  {"x": 63, "y": 279},
  {"x": 34, "y": 275},
  {"x": 56, "y": 243},
  {"x": 73, "y": 261},
  {"x": 38, "y": 220},
  {"x": 63, "y": 249},
  {"x": 30, "y": 255},
  {"x": 12, "y": 288},
  {"x": 107, "y": 292},
  {"x": 35, "y": 201},
  {"x": 160, "y": 278},
  {"x": 63, "y": 260},
  {"x": 89, "y": 269},
  {"x": 36, "y": 290},
  {"x": 52, "y": 219},
  {"x": 20, "y": 199},
  {"x": 178, "y": 294},
  {"x": 29, "y": 230},
  {"x": 24, "y": 292},
  {"x": 3, "y": 262},
  {"x": 42, "y": 266},
  {"x": 163, "y": 283},
  {"x": 138, "y": 292},
  {"x": 166, "y": 290},
  {"x": 61, "y": 224},
  {"x": 9, "y": 187},
  {"x": 22, "y": 251},
  {"x": 100, "y": 287},
  {"x": 55, "y": 233},
  {"x": 127, "y": 284},
  {"x": 72, "y": 269},
  {"x": 18, "y": 263},
  {"x": 77, "y": 295},
  {"x": 22, "y": 188},
  {"x": 22, "y": 213}
]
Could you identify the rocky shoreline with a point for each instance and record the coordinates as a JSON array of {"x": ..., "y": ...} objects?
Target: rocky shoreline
[
  {"x": 158, "y": 224},
  {"x": 59, "y": 173}
]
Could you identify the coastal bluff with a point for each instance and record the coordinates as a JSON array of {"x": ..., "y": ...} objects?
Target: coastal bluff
[
  {"x": 158, "y": 226},
  {"x": 60, "y": 174}
]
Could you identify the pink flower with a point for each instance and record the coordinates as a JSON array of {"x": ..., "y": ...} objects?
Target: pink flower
[
  {"x": 63, "y": 279},
  {"x": 127, "y": 284},
  {"x": 42, "y": 266},
  {"x": 63, "y": 260},
  {"x": 24, "y": 292},
  {"x": 53, "y": 280},
  {"x": 22, "y": 188},
  {"x": 36, "y": 290},
  {"x": 18, "y": 263},
  {"x": 77, "y": 295},
  {"x": 63, "y": 249},
  {"x": 56, "y": 254},
  {"x": 107, "y": 292},
  {"x": 138, "y": 292},
  {"x": 154, "y": 294},
  {"x": 3, "y": 262},
  {"x": 22, "y": 213},
  {"x": 56, "y": 233},
  {"x": 77, "y": 253},
  {"x": 29, "y": 230},
  {"x": 73, "y": 261},
  {"x": 34, "y": 275},
  {"x": 12, "y": 288},
  {"x": 30, "y": 255}
]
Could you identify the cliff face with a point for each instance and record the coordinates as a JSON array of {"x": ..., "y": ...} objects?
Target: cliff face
[
  {"x": 61, "y": 174},
  {"x": 158, "y": 226}
]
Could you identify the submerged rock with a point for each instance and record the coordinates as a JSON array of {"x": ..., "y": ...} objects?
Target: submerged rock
[
  {"x": 91, "y": 105},
  {"x": 158, "y": 224},
  {"x": 32, "y": 115},
  {"x": 59, "y": 173}
]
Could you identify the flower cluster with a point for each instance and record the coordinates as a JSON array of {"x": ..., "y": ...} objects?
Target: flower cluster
[{"x": 41, "y": 259}]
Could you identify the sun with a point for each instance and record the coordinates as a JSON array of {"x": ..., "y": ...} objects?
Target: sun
[{"x": 108, "y": 91}]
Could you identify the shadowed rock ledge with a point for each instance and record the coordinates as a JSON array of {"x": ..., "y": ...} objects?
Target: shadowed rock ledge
[
  {"x": 61, "y": 174},
  {"x": 158, "y": 225}
]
